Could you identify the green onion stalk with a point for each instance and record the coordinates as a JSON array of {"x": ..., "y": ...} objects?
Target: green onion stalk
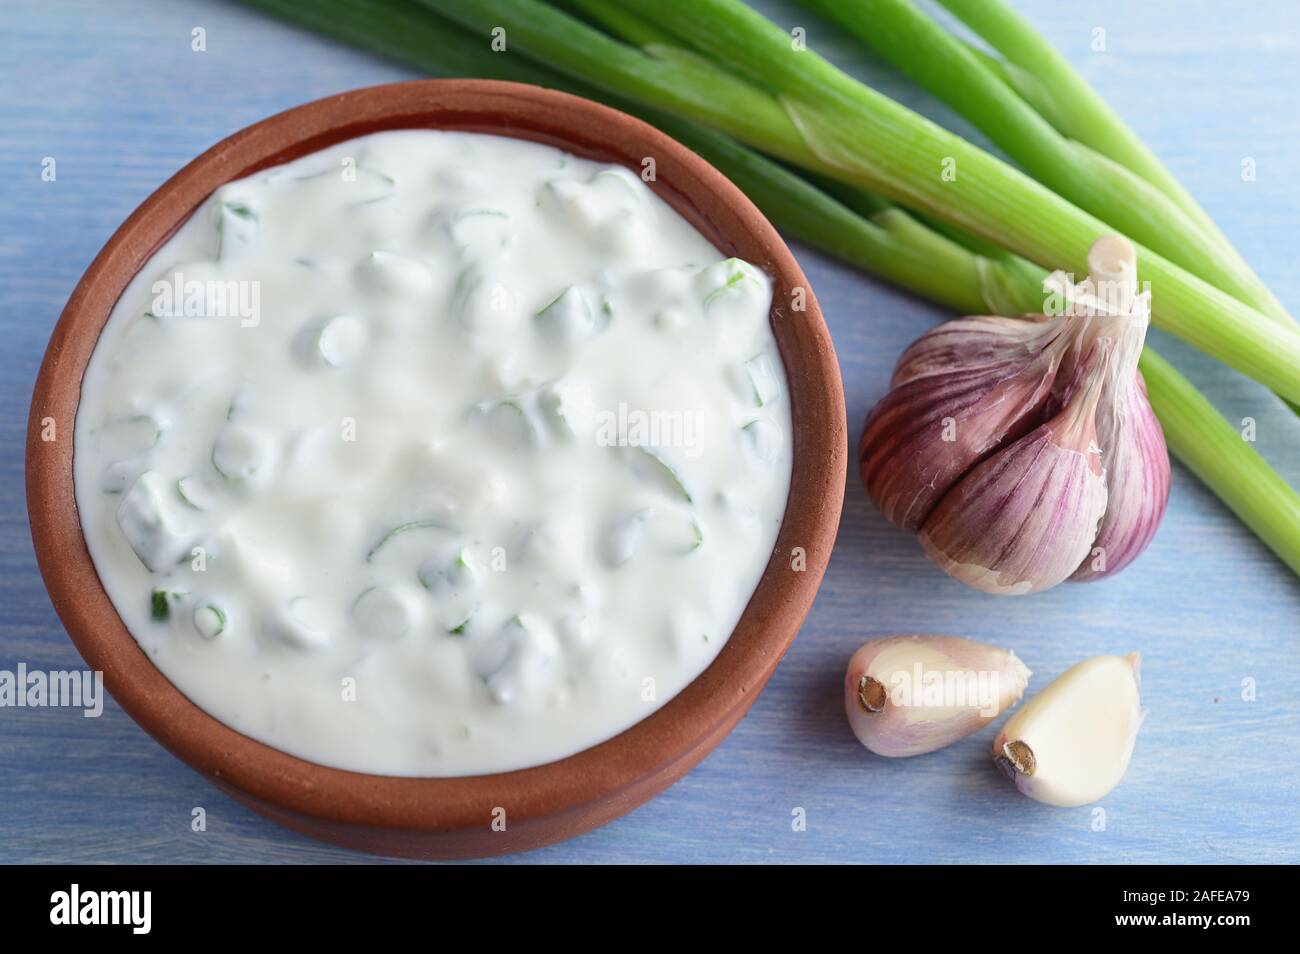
[
  {"x": 1159, "y": 214},
  {"x": 1046, "y": 80},
  {"x": 794, "y": 105},
  {"x": 933, "y": 259}
]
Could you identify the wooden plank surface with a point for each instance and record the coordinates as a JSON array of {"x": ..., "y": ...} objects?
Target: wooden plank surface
[{"x": 112, "y": 90}]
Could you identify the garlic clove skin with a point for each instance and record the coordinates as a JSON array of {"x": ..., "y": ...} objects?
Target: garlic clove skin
[
  {"x": 1137, "y": 483},
  {"x": 939, "y": 422},
  {"x": 1071, "y": 743},
  {"x": 1025, "y": 519},
  {"x": 908, "y": 695}
]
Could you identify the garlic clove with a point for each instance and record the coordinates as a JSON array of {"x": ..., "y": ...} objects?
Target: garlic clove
[
  {"x": 940, "y": 421},
  {"x": 971, "y": 341},
  {"x": 1134, "y": 454},
  {"x": 1137, "y": 483},
  {"x": 1025, "y": 519},
  {"x": 908, "y": 695},
  {"x": 1071, "y": 744}
]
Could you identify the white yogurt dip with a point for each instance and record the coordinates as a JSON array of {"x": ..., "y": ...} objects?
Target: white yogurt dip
[{"x": 434, "y": 454}]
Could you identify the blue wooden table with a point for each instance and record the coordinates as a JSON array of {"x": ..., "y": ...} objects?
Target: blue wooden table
[{"x": 112, "y": 90}]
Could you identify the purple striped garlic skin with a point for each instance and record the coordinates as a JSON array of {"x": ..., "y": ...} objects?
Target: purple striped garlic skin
[
  {"x": 944, "y": 417},
  {"x": 976, "y": 340},
  {"x": 1026, "y": 518},
  {"x": 1137, "y": 481}
]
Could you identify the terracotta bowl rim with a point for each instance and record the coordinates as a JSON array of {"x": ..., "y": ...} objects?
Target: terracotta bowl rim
[{"x": 621, "y": 772}]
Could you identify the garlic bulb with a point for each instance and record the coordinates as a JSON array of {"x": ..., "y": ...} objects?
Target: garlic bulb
[
  {"x": 1025, "y": 452},
  {"x": 908, "y": 695},
  {"x": 1071, "y": 744}
]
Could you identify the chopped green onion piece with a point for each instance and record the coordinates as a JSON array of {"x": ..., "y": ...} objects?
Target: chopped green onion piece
[
  {"x": 762, "y": 379},
  {"x": 568, "y": 318},
  {"x": 736, "y": 273},
  {"x": 236, "y": 227},
  {"x": 405, "y": 528},
  {"x": 190, "y": 491},
  {"x": 339, "y": 340},
  {"x": 209, "y": 620},
  {"x": 519, "y": 423},
  {"x": 660, "y": 469},
  {"x": 161, "y": 602}
]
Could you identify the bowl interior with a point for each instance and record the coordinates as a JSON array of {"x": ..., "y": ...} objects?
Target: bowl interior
[{"x": 546, "y": 802}]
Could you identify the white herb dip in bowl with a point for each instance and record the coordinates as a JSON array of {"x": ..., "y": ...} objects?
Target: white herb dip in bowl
[{"x": 438, "y": 485}]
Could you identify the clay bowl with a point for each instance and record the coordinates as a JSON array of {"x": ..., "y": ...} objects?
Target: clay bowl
[{"x": 449, "y": 817}]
